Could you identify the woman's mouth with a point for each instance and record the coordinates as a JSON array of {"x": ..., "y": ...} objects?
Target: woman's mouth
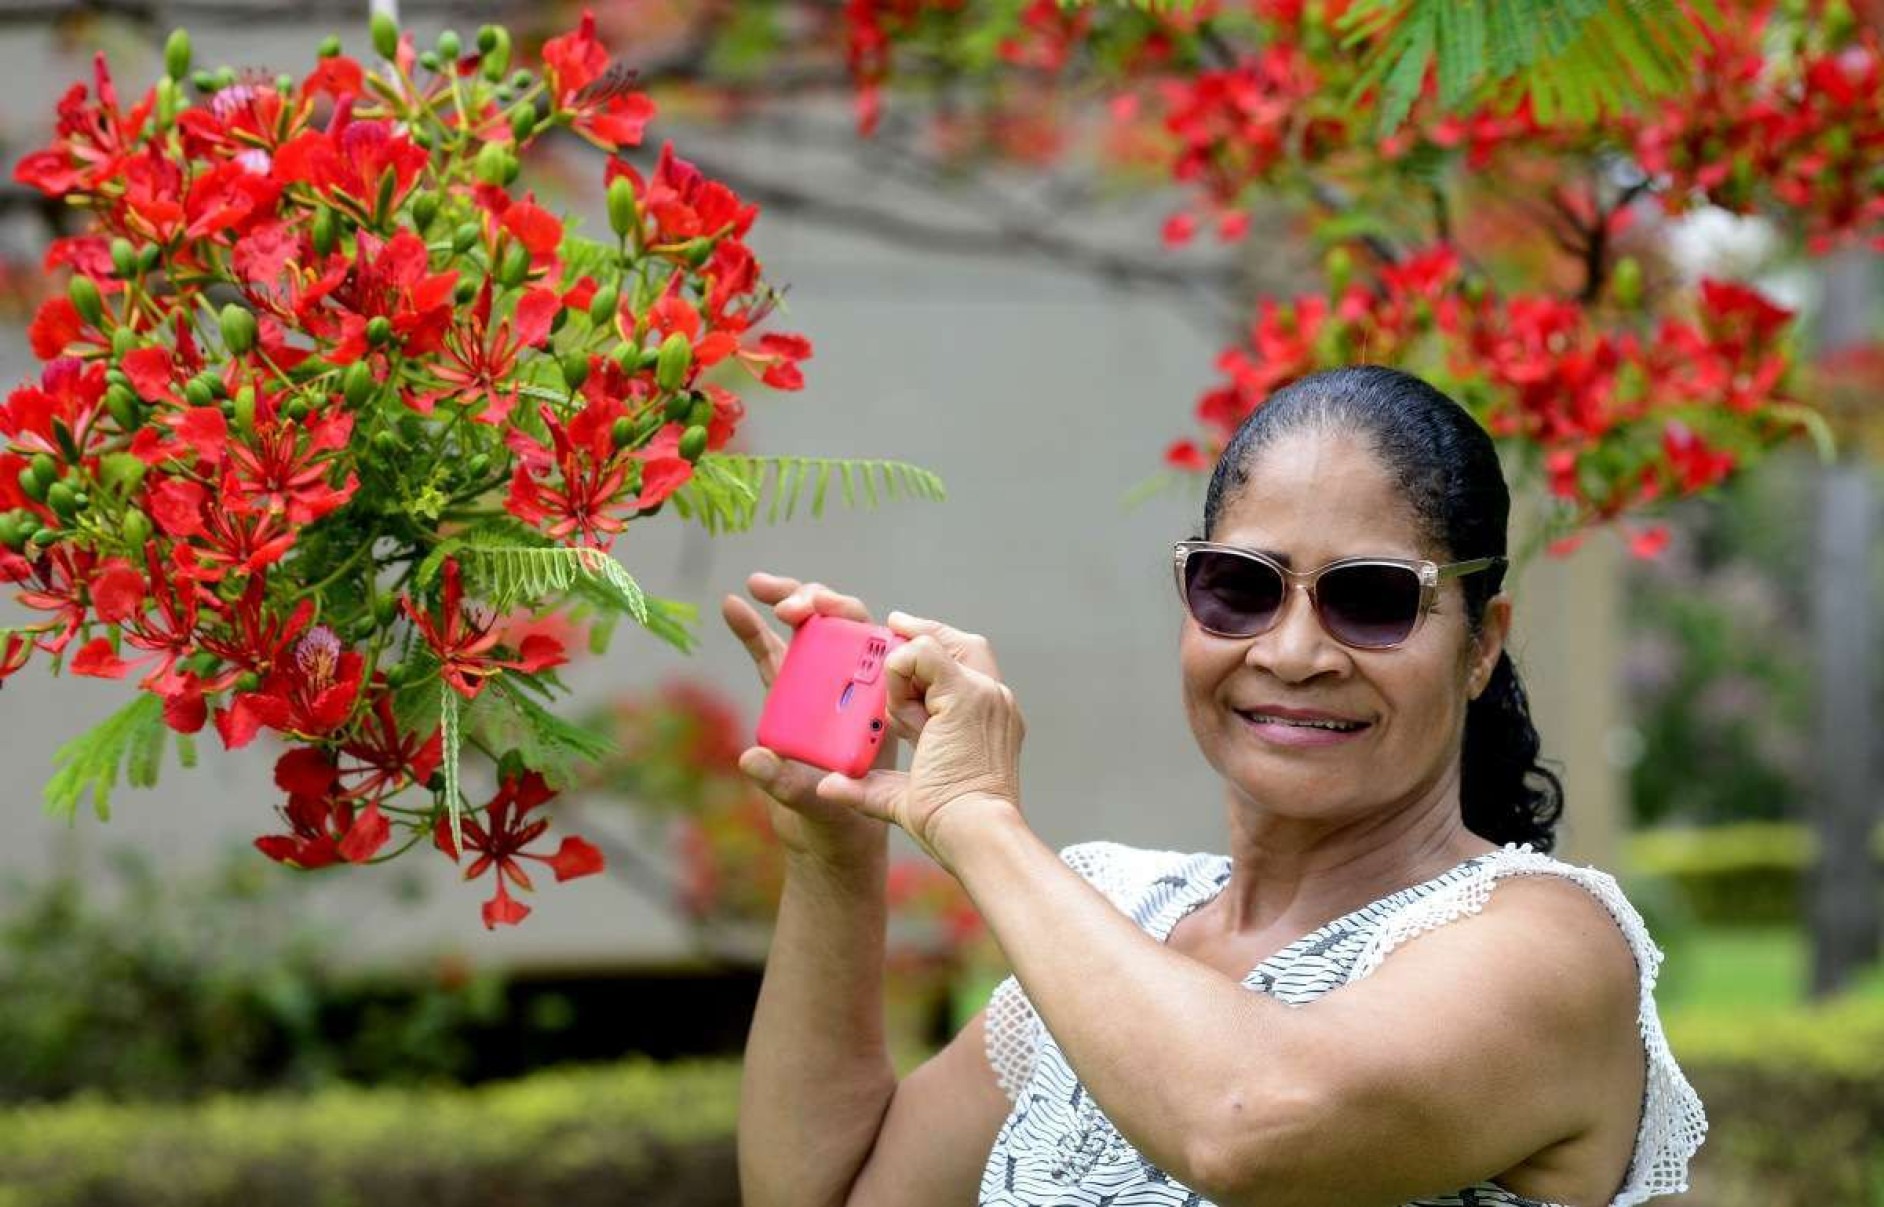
[{"x": 1301, "y": 731}]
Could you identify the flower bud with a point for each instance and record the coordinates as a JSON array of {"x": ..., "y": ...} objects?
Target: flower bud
[
  {"x": 385, "y": 607},
  {"x": 430, "y": 61},
  {"x": 248, "y": 681},
  {"x": 136, "y": 528},
  {"x": 32, "y": 486},
  {"x": 603, "y": 305},
  {"x": 197, "y": 393},
  {"x": 329, "y": 47},
  {"x": 225, "y": 77},
  {"x": 296, "y": 410},
  {"x": 522, "y": 122},
  {"x": 514, "y": 267},
  {"x": 575, "y": 367},
  {"x": 679, "y": 406},
  {"x": 357, "y": 384},
  {"x": 676, "y": 358},
  {"x": 464, "y": 291},
  {"x": 123, "y": 340},
  {"x": 325, "y": 232},
  {"x": 693, "y": 442},
  {"x": 46, "y": 470},
  {"x": 623, "y": 432},
  {"x": 86, "y": 299},
  {"x": 122, "y": 404},
  {"x": 623, "y": 214},
  {"x": 177, "y": 54},
  {"x": 169, "y": 102},
  {"x": 147, "y": 258},
  {"x": 701, "y": 412},
  {"x": 489, "y": 163},
  {"x": 424, "y": 209},
  {"x": 467, "y": 234},
  {"x": 284, "y": 84},
  {"x": 496, "y": 56},
  {"x": 1626, "y": 281},
  {"x": 10, "y": 535},
  {"x": 378, "y": 330},
  {"x": 238, "y": 328},
  {"x": 202, "y": 81},
  {"x": 449, "y": 47},
  {"x": 385, "y": 32},
  {"x": 44, "y": 538},
  {"x": 123, "y": 258},
  {"x": 477, "y": 466},
  {"x": 63, "y": 500},
  {"x": 245, "y": 409}
]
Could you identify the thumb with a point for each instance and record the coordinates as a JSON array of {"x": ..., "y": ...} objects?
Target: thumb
[{"x": 874, "y": 795}]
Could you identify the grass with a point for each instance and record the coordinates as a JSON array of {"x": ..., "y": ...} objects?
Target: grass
[{"x": 1744, "y": 968}]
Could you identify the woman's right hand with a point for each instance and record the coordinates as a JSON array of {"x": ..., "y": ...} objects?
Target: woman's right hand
[{"x": 804, "y": 823}]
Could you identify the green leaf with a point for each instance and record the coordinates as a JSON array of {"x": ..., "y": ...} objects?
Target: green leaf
[
  {"x": 727, "y": 490},
  {"x": 452, "y": 740},
  {"x": 132, "y": 738},
  {"x": 513, "y": 575},
  {"x": 505, "y": 717}
]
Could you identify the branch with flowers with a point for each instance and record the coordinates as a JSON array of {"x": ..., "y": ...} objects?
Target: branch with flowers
[{"x": 323, "y": 375}]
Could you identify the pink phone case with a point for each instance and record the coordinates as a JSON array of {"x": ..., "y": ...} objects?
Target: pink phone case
[{"x": 829, "y": 703}]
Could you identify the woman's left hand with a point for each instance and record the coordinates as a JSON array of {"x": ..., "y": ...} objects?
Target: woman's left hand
[{"x": 947, "y": 699}]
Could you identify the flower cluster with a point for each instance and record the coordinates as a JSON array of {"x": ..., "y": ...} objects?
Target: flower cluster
[
  {"x": 322, "y": 373},
  {"x": 1804, "y": 129},
  {"x": 1620, "y": 414}
]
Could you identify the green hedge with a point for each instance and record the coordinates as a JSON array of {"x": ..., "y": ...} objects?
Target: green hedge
[
  {"x": 1795, "y": 1104},
  {"x": 641, "y": 1133},
  {"x": 1745, "y": 874}
]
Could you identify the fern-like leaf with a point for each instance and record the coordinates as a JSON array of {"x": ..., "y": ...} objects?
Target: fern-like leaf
[
  {"x": 727, "y": 491},
  {"x": 509, "y": 575},
  {"x": 451, "y": 741},
  {"x": 504, "y": 717},
  {"x": 1576, "y": 58},
  {"x": 131, "y": 739}
]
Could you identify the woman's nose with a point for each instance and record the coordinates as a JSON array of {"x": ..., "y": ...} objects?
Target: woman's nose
[{"x": 1296, "y": 647}]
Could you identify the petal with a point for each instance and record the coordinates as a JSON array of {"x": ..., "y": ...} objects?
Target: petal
[{"x": 576, "y": 857}]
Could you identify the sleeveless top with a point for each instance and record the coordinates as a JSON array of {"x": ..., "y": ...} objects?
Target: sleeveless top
[{"x": 1058, "y": 1149}]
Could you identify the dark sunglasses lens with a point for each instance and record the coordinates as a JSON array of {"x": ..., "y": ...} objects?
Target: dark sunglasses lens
[
  {"x": 1229, "y": 594},
  {"x": 1369, "y": 606}
]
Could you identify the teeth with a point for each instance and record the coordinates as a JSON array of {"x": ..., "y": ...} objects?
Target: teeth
[{"x": 1338, "y": 726}]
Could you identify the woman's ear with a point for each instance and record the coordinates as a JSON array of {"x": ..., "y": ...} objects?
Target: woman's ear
[{"x": 1493, "y": 630}]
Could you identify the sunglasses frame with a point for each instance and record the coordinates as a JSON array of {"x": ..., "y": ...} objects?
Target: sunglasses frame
[{"x": 1430, "y": 573}]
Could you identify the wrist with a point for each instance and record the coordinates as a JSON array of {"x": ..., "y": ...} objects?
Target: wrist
[{"x": 973, "y": 823}]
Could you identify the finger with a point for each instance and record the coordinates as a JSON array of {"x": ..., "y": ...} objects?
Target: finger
[
  {"x": 918, "y": 665},
  {"x": 787, "y": 780},
  {"x": 766, "y": 647},
  {"x": 875, "y": 795},
  {"x": 770, "y": 588},
  {"x": 970, "y": 649},
  {"x": 816, "y": 599}
]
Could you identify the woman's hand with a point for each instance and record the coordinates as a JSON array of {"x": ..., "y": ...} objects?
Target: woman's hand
[
  {"x": 946, "y": 696},
  {"x": 805, "y": 823}
]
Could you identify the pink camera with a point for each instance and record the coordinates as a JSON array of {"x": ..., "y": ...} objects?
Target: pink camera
[{"x": 829, "y": 704}]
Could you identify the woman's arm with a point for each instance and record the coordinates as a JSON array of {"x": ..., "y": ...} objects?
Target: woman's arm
[
  {"x": 823, "y": 1121},
  {"x": 1468, "y": 1051}
]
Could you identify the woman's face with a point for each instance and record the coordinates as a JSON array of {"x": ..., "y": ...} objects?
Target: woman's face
[{"x": 1311, "y": 498}]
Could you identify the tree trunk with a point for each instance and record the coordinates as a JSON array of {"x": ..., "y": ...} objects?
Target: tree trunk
[{"x": 1844, "y": 891}]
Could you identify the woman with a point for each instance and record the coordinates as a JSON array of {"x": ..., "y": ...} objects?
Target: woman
[{"x": 1228, "y": 1029}]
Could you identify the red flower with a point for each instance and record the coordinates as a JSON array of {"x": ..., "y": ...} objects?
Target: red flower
[
  {"x": 598, "y": 94},
  {"x": 500, "y": 842},
  {"x": 284, "y": 468},
  {"x": 91, "y": 141},
  {"x": 478, "y": 360},
  {"x": 324, "y": 826},
  {"x": 464, "y": 644},
  {"x": 593, "y": 474},
  {"x": 345, "y": 163},
  {"x": 308, "y": 696},
  {"x": 388, "y": 756}
]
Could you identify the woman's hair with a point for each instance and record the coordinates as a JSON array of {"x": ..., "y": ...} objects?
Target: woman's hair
[{"x": 1448, "y": 471}]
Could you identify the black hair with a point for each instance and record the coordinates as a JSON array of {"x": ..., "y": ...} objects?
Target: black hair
[{"x": 1445, "y": 464}]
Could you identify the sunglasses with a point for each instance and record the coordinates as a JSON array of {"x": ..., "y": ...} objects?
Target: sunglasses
[{"x": 1368, "y": 603}]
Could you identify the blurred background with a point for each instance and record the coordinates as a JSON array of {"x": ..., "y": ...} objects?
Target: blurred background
[{"x": 182, "y": 1020}]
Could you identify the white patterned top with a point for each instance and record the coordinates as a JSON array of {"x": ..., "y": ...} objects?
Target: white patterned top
[{"x": 1057, "y": 1149}]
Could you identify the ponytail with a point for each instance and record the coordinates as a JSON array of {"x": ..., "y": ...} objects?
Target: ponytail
[{"x": 1505, "y": 793}]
